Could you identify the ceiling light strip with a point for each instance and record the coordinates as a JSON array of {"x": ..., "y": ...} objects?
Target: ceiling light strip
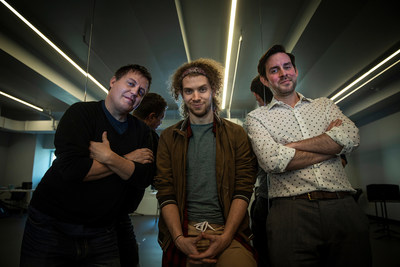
[
  {"x": 367, "y": 82},
  {"x": 234, "y": 75},
  {"x": 364, "y": 75},
  {"x": 229, "y": 50},
  {"x": 182, "y": 26},
  {"x": 53, "y": 45},
  {"x": 21, "y": 101}
]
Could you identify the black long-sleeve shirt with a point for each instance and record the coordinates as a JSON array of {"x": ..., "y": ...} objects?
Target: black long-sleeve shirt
[{"x": 62, "y": 193}]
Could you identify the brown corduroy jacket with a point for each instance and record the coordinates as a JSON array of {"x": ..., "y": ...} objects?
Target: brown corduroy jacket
[{"x": 236, "y": 168}]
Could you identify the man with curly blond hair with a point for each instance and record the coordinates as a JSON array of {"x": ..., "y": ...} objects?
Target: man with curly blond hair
[{"x": 205, "y": 176}]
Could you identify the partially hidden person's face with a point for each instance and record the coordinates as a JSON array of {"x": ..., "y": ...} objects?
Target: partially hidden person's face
[
  {"x": 281, "y": 75},
  {"x": 197, "y": 95},
  {"x": 154, "y": 122},
  {"x": 259, "y": 100},
  {"x": 127, "y": 92}
]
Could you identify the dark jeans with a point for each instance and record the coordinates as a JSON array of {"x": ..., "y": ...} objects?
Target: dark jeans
[
  {"x": 318, "y": 233},
  {"x": 258, "y": 213},
  {"x": 127, "y": 245},
  {"x": 48, "y": 242}
]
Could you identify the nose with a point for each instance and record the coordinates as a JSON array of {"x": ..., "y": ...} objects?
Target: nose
[
  {"x": 135, "y": 90},
  {"x": 196, "y": 95},
  {"x": 282, "y": 72}
]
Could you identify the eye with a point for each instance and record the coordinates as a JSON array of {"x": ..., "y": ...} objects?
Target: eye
[
  {"x": 142, "y": 92},
  {"x": 272, "y": 71},
  {"x": 132, "y": 83},
  {"x": 187, "y": 91},
  {"x": 203, "y": 89}
]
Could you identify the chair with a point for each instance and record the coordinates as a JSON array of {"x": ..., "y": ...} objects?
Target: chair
[
  {"x": 357, "y": 195},
  {"x": 16, "y": 201},
  {"x": 383, "y": 193},
  {"x": 26, "y": 185}
]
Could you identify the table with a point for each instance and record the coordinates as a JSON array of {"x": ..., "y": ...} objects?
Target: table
[{"x": 15, "y": 200}]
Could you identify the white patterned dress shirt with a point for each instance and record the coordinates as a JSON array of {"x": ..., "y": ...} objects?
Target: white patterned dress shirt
[{"x": 273, "y": 126}]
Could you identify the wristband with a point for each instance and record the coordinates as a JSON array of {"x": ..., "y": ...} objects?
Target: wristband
[{"x": 176, "y": 238}]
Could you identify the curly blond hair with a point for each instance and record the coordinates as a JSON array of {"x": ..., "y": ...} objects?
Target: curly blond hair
[{"x": 210, "y": 68}]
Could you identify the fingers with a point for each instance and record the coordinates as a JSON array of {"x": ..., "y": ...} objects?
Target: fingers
[
  {"x": 208, "y": 236},
  {"x": 209, "y": 260},
  {"x": 141, "y": 155},
  {"x": 198, "y": 238},
  {"x": 104, "y": 137},
  {"x": 338, "y": 122},
  {"x": 334, "y": 123},
  {"x": 194, "y": 261}
]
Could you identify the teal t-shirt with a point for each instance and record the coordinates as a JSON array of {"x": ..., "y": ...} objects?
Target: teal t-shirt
[{"x": 202, "y": 196}]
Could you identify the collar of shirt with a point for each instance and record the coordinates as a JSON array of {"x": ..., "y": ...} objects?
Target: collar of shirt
[{"x": 274, "y": 102}]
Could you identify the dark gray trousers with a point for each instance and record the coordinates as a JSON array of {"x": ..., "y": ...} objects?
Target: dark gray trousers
[{"x": 318, "y": 233}]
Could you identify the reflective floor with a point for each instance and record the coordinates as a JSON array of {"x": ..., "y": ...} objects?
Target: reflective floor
[{"x": 386, "y": 250}]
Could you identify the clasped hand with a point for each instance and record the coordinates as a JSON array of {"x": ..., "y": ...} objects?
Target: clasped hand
[
  {"x": 188, "y": 245},
  {"x": 102, "y": 152},
  {"x": 141, "y": 155}
]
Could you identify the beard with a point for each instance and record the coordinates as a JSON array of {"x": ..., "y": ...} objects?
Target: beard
[
  {"x": 286, "y": 90},
  {"x": 200, "y": 113}
]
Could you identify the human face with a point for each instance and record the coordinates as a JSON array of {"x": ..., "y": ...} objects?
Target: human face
[
  {"x": 197, "y": 96},
  {"x": 126, "y": 94},
  {"x": 259, "y": 100},
  {"x": 281, "y": 75},
  {"x": 153, "y": 121}
]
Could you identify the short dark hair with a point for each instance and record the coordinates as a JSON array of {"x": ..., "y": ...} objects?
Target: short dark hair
[
  {"x": 260, "y": 89},
  {"x": 152, "y": 102},
  {"x": 273, "y": 50},
  {"x": 135, "y": 68}
]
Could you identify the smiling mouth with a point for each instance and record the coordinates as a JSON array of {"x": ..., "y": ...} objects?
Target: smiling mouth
[
  {"x": 197, "y": 105},
  {"x": 285, "y": 81},
  {"x": 132, "y": 100}
]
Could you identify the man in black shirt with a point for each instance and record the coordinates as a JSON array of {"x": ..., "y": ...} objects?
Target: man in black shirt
[{"x": 74, "y": 208}]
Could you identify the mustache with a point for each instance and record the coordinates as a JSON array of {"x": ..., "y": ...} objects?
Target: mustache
[{"x": 285, "y": 78}]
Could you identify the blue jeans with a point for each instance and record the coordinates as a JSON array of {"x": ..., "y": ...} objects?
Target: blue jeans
[{"x": 49, "y": 242}]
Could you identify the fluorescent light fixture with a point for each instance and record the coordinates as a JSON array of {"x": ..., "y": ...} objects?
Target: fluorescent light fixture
[
  {"x": 21, "y": 101},
  {"x": 229, "y": 50},
  {"x": 182, "y": 26},
  {"x": 367, "y": 82},
  {"x": 87, "y": 75},
  {"x": 234, "y": 76},
  {"x": 363, "y": 76}
]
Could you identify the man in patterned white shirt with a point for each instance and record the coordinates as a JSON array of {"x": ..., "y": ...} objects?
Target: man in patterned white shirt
[{"x": 313, "y": 220}]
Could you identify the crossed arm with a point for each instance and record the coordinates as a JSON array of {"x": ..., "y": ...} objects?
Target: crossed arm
[
  {"x": 314, "y": 150},
  {"x": 106, "y": 162}
]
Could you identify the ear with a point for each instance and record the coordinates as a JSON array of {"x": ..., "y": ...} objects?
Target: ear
[
  {"x": 257, "y": 96},
  {"x": 151, "y": 116},
  {"x": 112, "y": 81},
  {"x": 264, "y": 81}
]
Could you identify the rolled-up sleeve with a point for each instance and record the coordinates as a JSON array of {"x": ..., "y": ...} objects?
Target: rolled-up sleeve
[
  {"x": 347, "y": 134},
  {"x": 272, "y": 157}
]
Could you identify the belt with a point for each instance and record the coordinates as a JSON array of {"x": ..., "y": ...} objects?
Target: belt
[{"x": 320, "y": 195}]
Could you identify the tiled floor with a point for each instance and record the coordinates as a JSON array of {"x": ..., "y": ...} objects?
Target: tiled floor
[{"x": 386, "y": 251}]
